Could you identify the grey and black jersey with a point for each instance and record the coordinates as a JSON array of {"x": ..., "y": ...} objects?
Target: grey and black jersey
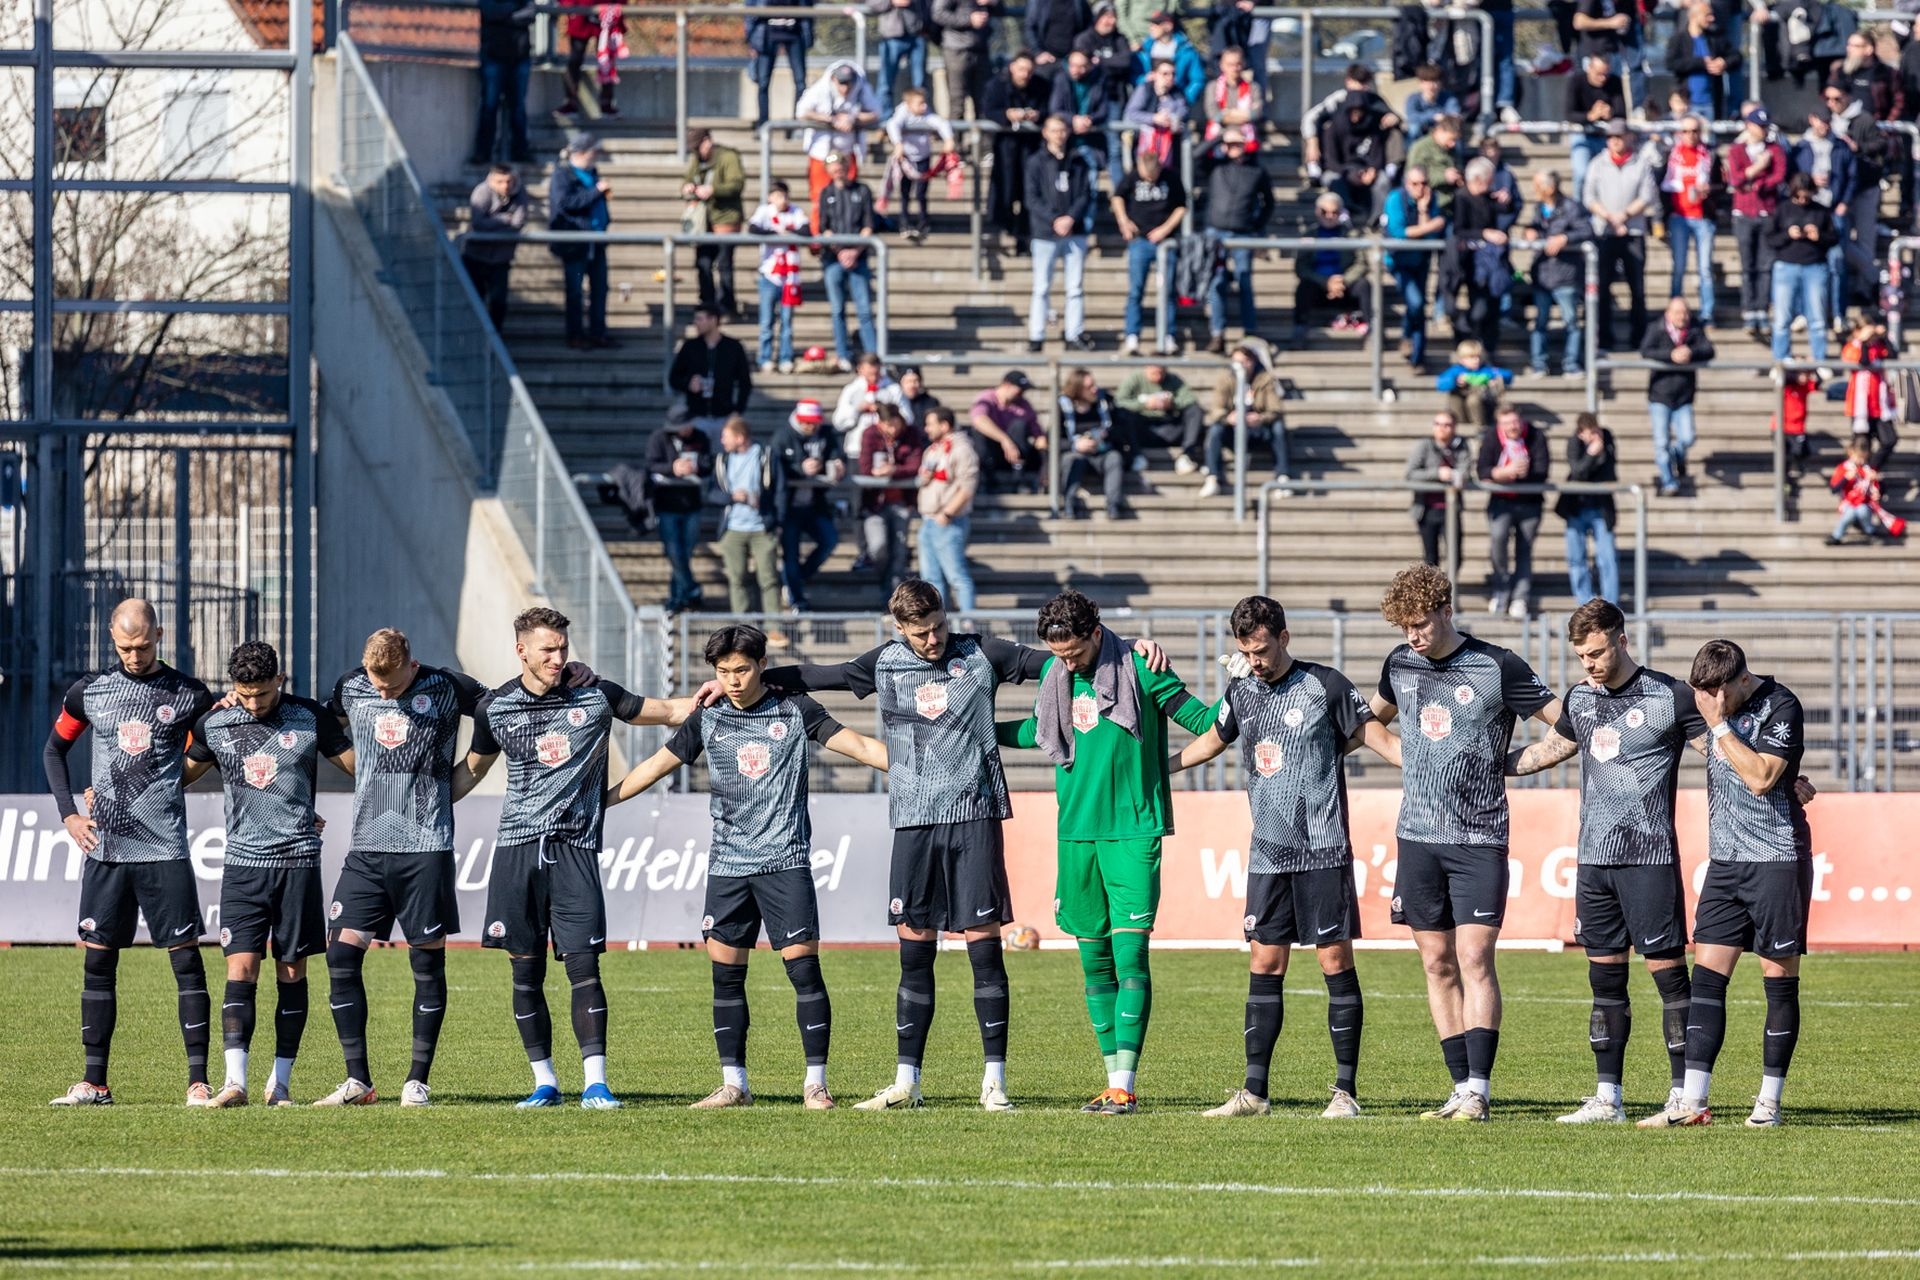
[
  {"x": 141, "y": 725},
  {"x": 1456, "y": 721},
  {"x": 403, "y": 757},
  {"x": 1743, "y": 827},
  {"x": 268, "y": 768},
  {"x": 556, "y": 748},
  {"x": 1630, "y": 741},
  {"x": 1293, "y": 735},
  {"x": 943, "y": 761},
  {"x": 757, "y": 771}
]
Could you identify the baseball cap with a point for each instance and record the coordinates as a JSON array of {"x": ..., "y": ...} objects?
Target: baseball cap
[
  {"x": 579, "y": 140},
  {"x": 1015, "y": 378},
  {"x": 1616, "y": 129},
  {"x": 807, "y": 411},
  {"x": 845, "y": 73},
  {"x": 1758, "y": 116}
]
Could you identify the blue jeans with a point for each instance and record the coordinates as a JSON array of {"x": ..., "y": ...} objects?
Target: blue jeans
[
  {"x": 1697, "y": 232},
  {"x": 1630, "y": 64},
  {"x": 503, "y": 84},
  {"x": 859, "y": 282},
  {"x": 816, "y": 523},
  {"x": 1567, "y": 298},
  {"x": 679, "y": 531},
  {"x": 1737, "y": 36},
  {"x": 1239, "y": 269},
  {"x": 1837, "y": 269},
  {"x": 1257, "y": 66},
  {"x": 586, "y": 318},
  {"x": 1581, "y": 151},
  {"x": 1855, "y": 517},
  {"x": 911, "y": 50},
  {"x": 1592, "y": 522},
  {"x": 1800, "y": 290},
  {"x": 1411, "y": 271},
  {"x": 1502, "y": 57},
  {"x": 1116, "y": 167},
  {"x": 763, "y": 71},
  {"x": 1071, "y": 251},
  {"x": 769, "y": 304},
  {"x": 1672, "y": 437},
  {"x": 1141, "y": 255},
  {"x": 943, "y": 560}
]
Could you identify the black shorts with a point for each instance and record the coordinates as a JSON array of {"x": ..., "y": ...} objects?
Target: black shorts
[
  {"x": 114, "y": 895},
  {"x": 376, "y": 889},
  {"x": 951, "y": 877},
  {"x": 1757, "y": 906},
  {"x": 1439, "y": 886},
  {"x": 1639, "y": 908},
  {"x": 541, "y": 890},
  {"x": 784, "y": 900},
  {"x": 277, "y": 904},
  {"x": 1302, "y": 908}
]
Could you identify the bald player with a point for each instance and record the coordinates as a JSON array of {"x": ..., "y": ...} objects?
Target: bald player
[{"x": 134, "y": 838}]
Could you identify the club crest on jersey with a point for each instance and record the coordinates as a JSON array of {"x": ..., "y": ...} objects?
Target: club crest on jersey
[
  {"x": 753, "y": 760},
  {"x": 333, "y": 912},
  {"x": 706, "y": 924},
  {"x": 164, "y": 715},
  {"x": 226, "y": 937},
  {"x": 391, "y": 729},
  {"x": 1249, "y": 923},
  {"x": 498, "y": 929},
  {"x": 287, "y": 740},
  {"x": 1294, "y": 718},
  {"x": 1268, "y": 758},
  {"x": 1463, "y": 695},
  {"x": 897, "y": 906},
  {"x": 1636, "y": 718},
  {"x": 86, "y": 926},
  {"x": 1744, "y": 726},
  {"x": 260, "y": 770},
  {"x": 956, "y": 668},
  {"x": 553, "y": 749},
  {"x": 1605, "y": 744},
  {"x": 930, "y": 700},
  {"x": 1436, "y": 721},
  {"x": 422, "y": 703},
  {"x": 777, "y": 731},
  {"x": 1086, "y": 713},
  {"x": 135, "y": 736},
  {"x": 576, "y": 716}
]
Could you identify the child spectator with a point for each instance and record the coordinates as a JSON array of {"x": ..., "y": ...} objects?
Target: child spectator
[
  {"x": 891, "y": 447},
  {"x": 1473, "y": 386},
  {"x": 912, "y": 128},
  {"x": 1870, "y": 403},
  {"x": 779, "y": 275},
  {"x": 1857, "y": 485},
  {"x": 602, "y": 29},
  {"x": 1798, "y": 387}
]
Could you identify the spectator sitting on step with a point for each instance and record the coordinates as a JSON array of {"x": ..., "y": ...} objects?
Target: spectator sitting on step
[
  {"x": 1514, "y": 452},
  {"x": 810, "y": 459},
  {"x": 1444, "y": 158},
  {"x": 1445, "y": 459},
  {"x": 1357, "y": 84},
  {"x": 846, "y": 208},
  {"x": 779, "y": 274},
  {"x": 1161, "y": 407},
  {"x": 1857, "y": 485},
  {"x": 1332, "y": 278},
  {"x": 1266, "y": 417},
  {"x": 1429, "y": 100},
  {"x": 891, "y": 447},
  {"x": 911, "y": 129},
  {"x": 711, "y": 370},
  {"x": 1590, "y": 460},
  {"x": 498, "y": 204},
  {"x": 679, "y": 461},
  {"x": 1008, "y": 434},
  {"x": 577, "y": 201},
  {"x": 751, "y": 486},
  {"x": 1093, "y": 444},
  {"x": 1679, "y": 341},
  {"x": 1474, "y": 388},
  {"x": 714, "y": 181},
  {"x": 841, "y": 107},
  {"x": 915, "y": 399},
  {"x": 1870, "y": 402},
  {"x": 861, "y": 398}
]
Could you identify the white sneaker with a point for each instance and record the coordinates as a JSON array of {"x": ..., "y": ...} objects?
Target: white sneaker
[
  {"x": 352, "y": 1093},
  {"x": 415, "y": 1094},
  {"x": 1343, "y": 1107},
  {"x": 1169, "y": 346},
  {"x": 1450, "y": 1108},
  {"x": 993, "y": 1096},
  {"x": 1472, "y": 1107},
  {"x": 1241, "y": 1103},
  {"x": 1799, "y": 324},
  {"x": 727, "y": 1095},
  {"x": 1596, "y": 1110},
  {"x": 232, "y": 1094},
  {"x": 1518, "y": 609},
  {"x": 1210, "y": 487},
  {"x": 786, "y": 366},
  {"x": 766, "y": 366},
  {"x": 199, "y": 1095},
  {"x": 1677, "y": 1114},
  {"x": 1766, "y": 1114},
  {"x": 897, "y": 1095},
  {"x": 1183, "y": 465},
  {"x": 1130, "y": 345},
  {"x": 1508, "y": 115},
  {"x": 84, "y": 1094}
]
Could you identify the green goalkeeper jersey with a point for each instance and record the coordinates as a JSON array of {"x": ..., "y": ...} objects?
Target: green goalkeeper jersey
[{"x": 1116, "y": 788}]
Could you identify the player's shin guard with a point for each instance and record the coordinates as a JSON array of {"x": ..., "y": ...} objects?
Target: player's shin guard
[
  {"x": 530, "y": 1014},
  {"x": 1483, "y": 1046},
  {"x": 289, "y": 1023},
  {"x": 1783, "y": 1033},
  {"x": 913, "y": 1003},
  {"x": 1676, "y": 993},
  {"x": 1346, "y": 1019},
  {"x": 730, "y": 1018},
  {"x": 99, "y": 1010},
  {"x": 236, "y": 1026},
  {"x": 991, "y": 1002},
  {"x": 196, "y": 1008},
  {"x": 1454, "y": 1050},
  {"x": 1133, "y": 1007},
  {"x": 1706, "y": 1029},
  {"x": 1266, "y": 1010},
  {"x": 1610, "y": 1025},
  {"x": 429, "y": 1006},
  {"x": 812, "y": 1010},
  {"x": 347, "y": 997},
  {"x": 1103, "y": 991},
  {"x": 589, "y": 1006}
]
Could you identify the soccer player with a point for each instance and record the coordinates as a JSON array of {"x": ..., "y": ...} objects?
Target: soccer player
[
  {"x": 1101, "y": 717},
  {"x": 946, "y": 799},
  {"x": 1463, "y": 697},
  {"x": 267, "y": 745},
  {"x": 404, "y": 720},
  {"x": 760, "y": 869},
  {"x": 1295, "y": 722},
  {"x": 1629, "y": 725},
  {"x": 1759, "y": 875},
  {"x": 553, "y": 721},
  {"x": 134, "y": 838}
]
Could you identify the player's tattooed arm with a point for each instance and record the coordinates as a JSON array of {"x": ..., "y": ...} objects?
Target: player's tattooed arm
[
  {"x": 467, "y": 776},
  {"x": 1377, "y": 738},
  {"x": 1544, "y": 754},
  {"x": 858, "y": 746},
  {"x": 643, "y": 775},
  {"x": 1198, "y": 752}
]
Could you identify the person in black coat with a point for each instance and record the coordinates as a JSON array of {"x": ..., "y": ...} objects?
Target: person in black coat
[
  {"x": 1481, "y": 246},
  {"x": 771, "y": 39},
  {"x": 577, "y": 201},
  {"x": 1678, "y": 341},
  {"x": 1514, "y": 452},
  {"x": 1590, "y": 460},
  {"x": 1080, "y": 98},
  {"x": 1800, "y": 232},
  {"x": 1050, "y": 27},
  {"x": 1700, "y": 55},
  {"x": 506, "y": 63},
  {"x": 1019, "y": 98}
]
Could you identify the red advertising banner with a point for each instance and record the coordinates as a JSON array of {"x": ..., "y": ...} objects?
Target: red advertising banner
[{"x": 1865, "y": 869}]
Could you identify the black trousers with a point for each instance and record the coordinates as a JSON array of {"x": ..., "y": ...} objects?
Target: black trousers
[
  {"x": 490, "y": 282},
  {"x": 1433, "y": 538},
  {"x": 1756, "y": 266},
  {"x": 713, "y": 265},
  {"x": 1623, "y": 258}
]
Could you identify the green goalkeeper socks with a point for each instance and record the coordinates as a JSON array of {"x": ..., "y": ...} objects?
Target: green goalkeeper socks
[
  {"x": 1096, "y": 962},
  {"x": 1134, "y": 1005}
]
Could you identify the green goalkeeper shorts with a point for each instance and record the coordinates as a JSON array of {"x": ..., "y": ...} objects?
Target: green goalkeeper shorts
[{"x": 1100, "y": 886}]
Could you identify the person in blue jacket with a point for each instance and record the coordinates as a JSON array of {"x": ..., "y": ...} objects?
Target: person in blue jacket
[{"x": 1165, "y": 42}]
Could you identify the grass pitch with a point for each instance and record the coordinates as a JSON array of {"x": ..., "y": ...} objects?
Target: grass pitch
[{"x": 475, "y": 1188}]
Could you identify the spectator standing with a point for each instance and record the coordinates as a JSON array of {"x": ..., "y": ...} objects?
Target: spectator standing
[
  {"x": 1234, "y": 26},
  {"x": 845, "y": 208},
  {"x": 1239, "y": 203},
  {"x": 1558, "y": 228},
  {"x": 1514, "y": 452},
  {"x": 1502, "y": 186},
  {"x": 1266, "y": 415},
  {"x": 1679, "y": 342},
  {"x": 1479, "y": 246},
  {"x": 891, "y": 447},
  {"x": 1016, "y": 101},
  {"x": 1333, "y": 276},
  {"x": 904, "y": 25},
  {"x": 1158, "y": 112},
  {"x": 1800, "y": 233},
  {"x": 1080, "y": 98},
  {"x": 1593, "y": 102},
  {"x": 577, "y": 201},
  {"x": 1008, "y": 434},
  {"x": 966, "y": 34},
  {"x": 779, "y": 275},
  {"x": 1756, "y": 170},
  {"x": 860, "y": 400},
  {"x": 1059, "y": 197},
  {"x": 1094, "y": 444},
  {"x": 1688, "y": 182},
  {"x": 506, "y": 65},
  {"x": 679, "y": 463},
  {"x": 1870, "y": 403},
  {"x": 1149, "y": 208},
  {"x": 1868, "y": 80},
  {"x": 1050, "y": 26},
  {"x": 712, "y": 372},
  {"x": 949, "y": 478},
  {"x": 753, "y": 489},
  {"x": 1233, "y": 101},
  {"x": 911, "y": 129},
  {"x": 1610, "y": 29},
  {"x": 715, "y": 180},
  {"x": 1443, "y": 458},
  {"x": 1474, "y": 388},
  {"x": 1413, "y": 213},
  {"x": 1620, "y": 192},
  {"x": 498, "y": 205},
  {"x": 1590, "y": 460},
  {"x": 1165, "y": 42},
  {"x": 771, "y": 39},
  {"x": 840, "y": 107},
  {"x": 1700, "y": 58},
  {"x": 1829, "y": 161},
  {"x": 1159, "y": 405},
  {"x": 1440, "y": 154},
  {"x": 1429, "y": 100},
  {"x": 809, "y": 457},
  {"x": 599, "y": 29},
  {"x": 1110, "y": 55}
]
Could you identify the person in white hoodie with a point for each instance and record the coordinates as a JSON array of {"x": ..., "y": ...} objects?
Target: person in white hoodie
[
  {"x": 840, "y": 106},
  {"x": 872, "y": 386}
]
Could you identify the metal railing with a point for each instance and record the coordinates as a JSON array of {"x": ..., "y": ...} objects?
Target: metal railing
[{"x": 1307, "y": 19}]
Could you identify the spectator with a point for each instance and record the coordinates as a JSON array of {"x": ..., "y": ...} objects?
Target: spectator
[
  {"x": 1478, "y": 253},
  {"x": 1857, "y": 485},
  {"x": 1050, "y": 27},
  {"x": 1756, "y": 170},
  {"x": 1236, "y": 27},
  {"x": 1505, "y": 87},
  {"x": 1233, "y": 101},
  {"x": 1239, "y": 203},
  {"x": 770, "y": 39},
  {"x": 1609, "y": 30},
  {"x": 1354, "y": 142},
  {"x": 715, "y": 180},
  {"x": 1095, "y": 444},
  {"x": 1868, "y": 80},
  {"x": 1413, "y": 213},
  {"x": 1829, "y": 161},
  {"x": 949, "y": 478},
  {"x": 1620, "y": 192},
  {"x": 1876, "y": 155},
  {"x": 498, "y": 205},
  {"x": 1165, "y": 42},
  {"x": 1358, "y": 84},
  {"x": 506, "y": 64},
  {"x": 860, "y": 400},
  {"x": 1080, "y": 98},
  {"x": 779, "y": 274},
  {"x": 891, "y": 447},
  {"x": 712, "y": 372},
  {"x": 810, "y": 460},
  {"x": 1796, "y": 389},
  {"x": 1158, "y": 112},
  {"x": 599, "y": 29},
  {"x": 752, "y": 488},
  {"x": 1016, "y": 100},
  {"x": 1676, "y": 340},
  {"x": 1514, "y": 452},
  {"x": 1059, "y": 196},
  {"x": 1444, "y": 459},
  {"x": 577, "y": 201},
  {"x": 1700, "y": 58},
  {"x": 1443, "y": 158},
  {"x": 1333, "y": 277},
  {"x": 904, "y": 25},
  {"x": 1266, "y": 415},
  {"x": 845, "y": 208},
  {"x": 915, "y": 399},
  {"x": 1010, "y": 439},
  {"x": 1870, "y": 403},
  {"x": 1149, "y": 208},
  {"x": 1132, "y": 15},
  {"x": 1594, "y": 101},
  {"x": 1800, "y": 234},
  {"x": 1590, "y": 460},
  {"x": 1474, "y": 387},
  {"x": 1429, "y": 101},
  {"x": 912, "y": 128},
  {"x": 1558, "y": 229},
  {"x": 966, "y": 32},
  {"x": 840, "y": 107},
  {"x": 1688, "y": 182},
  {"x": 1162, "y": 407},
  {"x": 679, "y": 461},
  {"x": 1110, "y": 55}
]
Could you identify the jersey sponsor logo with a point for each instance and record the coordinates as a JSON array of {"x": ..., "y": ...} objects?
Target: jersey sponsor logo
[
  {"x": 776, "y": 731},
  {"x": 1743, "y": 726},
  {"x": 1605, "y": 744},
  {"x": 164, "y": 714},
  {"x": 956, "y": 668},
  {"x": 1086, "y": 713},
  {"x": 1779, "y": 735},
  {"x": 1268, "y": 758},
  {"x": 390, "y": 729},
  {"x": 553, "y": 749},
  {"x": 1436, "y": 721},
  {"x": 753, "y": 760},
  {"x": 498, "y": 929},
  {"x": 260, "y": 770},
  {"x": 1395, "y": 904},
  {"x": 576, "y": 716},
  {"x": 1636, "y": 718},
  {"x": 1463, "y": 695},
  {"x": 135, "y": 736},
  {"x": 930, "y": 699},
  {"x": 1294, "y": 718},
  {"x": 422, "y": 703},
  {"x": 287, "y": 740}
]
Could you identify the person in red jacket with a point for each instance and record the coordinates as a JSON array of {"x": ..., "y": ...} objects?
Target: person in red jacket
[
  {"x": 1870, "y": 405},
  {"x": 1794, "y": 393},
  {"x": 599, "y": 29},
  {"x": 1756, "y": 170}
]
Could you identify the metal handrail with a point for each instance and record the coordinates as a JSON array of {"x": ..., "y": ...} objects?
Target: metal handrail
[{"x": 1308, "y": 17}]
